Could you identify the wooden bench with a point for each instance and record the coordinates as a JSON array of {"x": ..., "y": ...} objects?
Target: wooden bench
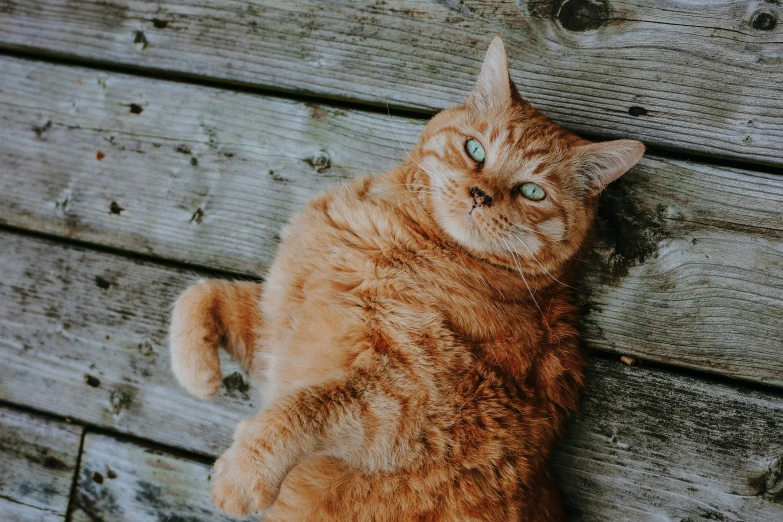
[{"x": 144, "y": 145}]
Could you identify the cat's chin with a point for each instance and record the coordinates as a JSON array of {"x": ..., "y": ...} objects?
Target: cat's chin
[{"x": 463, "y": 228}]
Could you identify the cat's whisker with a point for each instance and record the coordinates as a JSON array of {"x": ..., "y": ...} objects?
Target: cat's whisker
[
  {"x": 419, "y": 191},
  {"x": 512, "y": 250},
  {"x": 534, "y": 231},
  {"x": 525, "y": 228},
  {"x": 548, "y": 312},
  {"x": 409, "y": 186},
  {"x": 556, "y": 237},
  {"x": 419, "y": 197},
  {"x": 536, "y": 259},
  {"x": 432, "y": 175},
  {"x": 386, "y": 189},
  {"x": 407, "y": 201},
  {"x": 395, "y": 192}
]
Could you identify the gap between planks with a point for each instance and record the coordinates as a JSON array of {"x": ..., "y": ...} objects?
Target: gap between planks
[
  {"x": 686, "y": 269},
  {"x": 106, "y": 363},
  {"x": 682, "y": 77}
]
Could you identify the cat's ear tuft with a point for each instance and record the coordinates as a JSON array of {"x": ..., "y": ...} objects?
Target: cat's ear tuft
[
  {"x": 602, "y": 163},
  {"x": 494, "y": 84}
]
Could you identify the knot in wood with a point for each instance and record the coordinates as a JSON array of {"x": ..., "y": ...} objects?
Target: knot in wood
[
  {"x": 769, "y": 484},
  {"x": 320, "y": 161},
  {"x": 140, "y": 39},
  {"x": 582, "y": 15},
  {"x": 764, "y": 21},
  {"x": 235, "y": 384}
]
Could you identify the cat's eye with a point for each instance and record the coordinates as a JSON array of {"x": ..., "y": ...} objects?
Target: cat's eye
[
  {"x": 532, "y": 191},
  {"x": 475, "y": 150}
]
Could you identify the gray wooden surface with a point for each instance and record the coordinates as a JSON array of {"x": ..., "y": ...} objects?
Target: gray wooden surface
[
  {"x": 688, "y": 269},
  {"x": 651, "y": 445},
  {"x": 37, "y": 464},
  {"x": 121, "y": 481},
  {"x": 684, "y": 74},
  {"x": 112, "y": 185},
  {"x": 639, "y": 426},
  {"x": 89, "y": 329}
]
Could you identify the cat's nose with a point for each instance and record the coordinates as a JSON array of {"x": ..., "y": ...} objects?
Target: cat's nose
[{"x": 480, "y": 197}]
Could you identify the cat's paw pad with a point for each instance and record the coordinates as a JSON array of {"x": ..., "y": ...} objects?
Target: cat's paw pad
[{"x": 242, "y": 482}]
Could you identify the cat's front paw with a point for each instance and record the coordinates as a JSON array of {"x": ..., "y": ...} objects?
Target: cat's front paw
[
  {"x": 194, "y": 341},
  {"x": 243, "y": 481}
]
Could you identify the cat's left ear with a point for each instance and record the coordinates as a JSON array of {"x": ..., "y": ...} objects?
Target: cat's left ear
[
  {"x": 494, "y": 83},
  {"x": 602, "y": 163}
]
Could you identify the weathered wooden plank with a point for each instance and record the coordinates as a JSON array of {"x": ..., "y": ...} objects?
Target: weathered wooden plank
[
  {"x": 192, "y": 162},
  {"x": 651, "y": 445},
  {"x": 37, "y": 465},
  {"x": 124, "y": 481},
  {"x": 614, "y": 465},
  {"x": 688, "y": 269},
  {"x": 58, "y": 304},
  {"x": 85, "y": 335},
  {"x": 681, "y": 74}
]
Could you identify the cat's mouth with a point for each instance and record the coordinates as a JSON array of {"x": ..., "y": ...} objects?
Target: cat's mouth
[
  {"x": 467, "y": 222},
  {"x": 474, "y": 218},
  {"x": 475, "y": 210}
]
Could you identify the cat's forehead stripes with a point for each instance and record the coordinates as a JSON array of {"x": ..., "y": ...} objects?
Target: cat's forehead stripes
[
  {"x": 506, "y": 165},
  {"x": 532, "y": 169}
]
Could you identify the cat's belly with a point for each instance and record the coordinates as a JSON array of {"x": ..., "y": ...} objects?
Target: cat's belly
[
  {"x": 318, "y": 341},
  {"x": 327, "y": 490}
]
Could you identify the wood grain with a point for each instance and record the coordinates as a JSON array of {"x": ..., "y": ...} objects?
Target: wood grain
[
  {"x": 175, "y": 180},
  {"x": 610, "y": 467},
  {"x": 82, "y": 333},
  {"x": 652, "y": 445},
  {"x": 125, "y": 481},
  {"x": 680, "y": 74},
  {"x": 37, "y": 465},
  {"x": 688, "y": 269}
]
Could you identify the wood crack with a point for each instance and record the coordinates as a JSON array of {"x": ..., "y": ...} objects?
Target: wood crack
[{"x": 38, "y": 508}]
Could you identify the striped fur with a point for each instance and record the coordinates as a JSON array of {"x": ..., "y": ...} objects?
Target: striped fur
[{"x": 417, "y": 352}]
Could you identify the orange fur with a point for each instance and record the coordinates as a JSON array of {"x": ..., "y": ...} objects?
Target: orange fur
[{"x": 416, "y": 341}]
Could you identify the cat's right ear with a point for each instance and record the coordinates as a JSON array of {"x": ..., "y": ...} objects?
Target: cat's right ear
[
  {"x": 601, "y": 163},
  {"x": 494, "y": 83}
]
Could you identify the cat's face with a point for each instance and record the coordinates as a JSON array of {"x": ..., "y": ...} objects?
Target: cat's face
[{"x": 507, "y": 182}]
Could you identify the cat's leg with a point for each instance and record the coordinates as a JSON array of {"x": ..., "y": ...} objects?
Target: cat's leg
[
  {"x": 368, "y": 419},
  {"x": 211, "y": 314}
]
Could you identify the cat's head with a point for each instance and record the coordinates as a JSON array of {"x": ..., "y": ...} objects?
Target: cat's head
[{"x": 508, "y": 183}]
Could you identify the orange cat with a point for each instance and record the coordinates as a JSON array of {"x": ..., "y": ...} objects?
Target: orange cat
[{"x": 415, "y": 340}]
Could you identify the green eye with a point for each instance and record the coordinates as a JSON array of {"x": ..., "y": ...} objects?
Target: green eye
[
  {"x": 532, "y": 191},
  {"x": 475, "y": 150}
]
